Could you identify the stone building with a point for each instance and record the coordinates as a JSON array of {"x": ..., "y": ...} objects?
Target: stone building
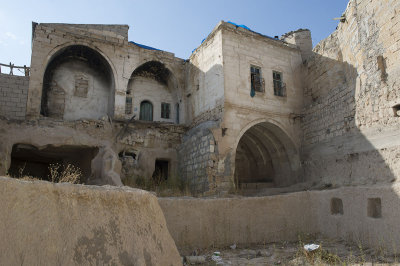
[{"x": 245, "y": 110}]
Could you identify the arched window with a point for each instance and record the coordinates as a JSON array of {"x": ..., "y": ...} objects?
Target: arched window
[{"x": 146, "y": 111}]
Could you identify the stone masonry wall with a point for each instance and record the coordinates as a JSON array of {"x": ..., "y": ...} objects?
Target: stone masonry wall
[
  {"x": 214, "y": 114},
  {"x": 115, "y": 31},
  {"x": 198, "y": 159},
  {"x": 13, "y": 96},
  {"x": 329, "y": 92},
  {"x": 352, "y": 73},
  {"x": 350, "y": 130}
]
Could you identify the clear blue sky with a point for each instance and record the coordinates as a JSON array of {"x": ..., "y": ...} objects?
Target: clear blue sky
[{"x": 177, "y": 26}]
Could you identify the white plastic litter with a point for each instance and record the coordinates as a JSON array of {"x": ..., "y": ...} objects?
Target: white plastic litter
[
  {"x": 216, "y": 256},
  {"x": 311, "y": 247},
  {"x": 233, "y": 246}
]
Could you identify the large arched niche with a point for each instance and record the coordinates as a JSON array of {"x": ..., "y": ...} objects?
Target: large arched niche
[
  {"x": 154, "y": 82},
  {"x": 78, "y": 83},
  {"x": 266, "y": 157}
]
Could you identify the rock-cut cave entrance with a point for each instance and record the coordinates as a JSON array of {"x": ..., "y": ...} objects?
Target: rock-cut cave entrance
[
  {"x": 28, "y": 160},
  {"x": 265, "y": 157}
]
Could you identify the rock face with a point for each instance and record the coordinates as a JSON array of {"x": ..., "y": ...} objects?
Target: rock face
[{"x": 42, "y": 223}]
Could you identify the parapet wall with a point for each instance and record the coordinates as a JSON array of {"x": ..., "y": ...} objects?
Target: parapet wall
[
  {"x": 205, "y": 223},
  {"x": 366, "y": 215},
  {"x": 115, "y": 31},
  {"x": 13, "y": 96}
]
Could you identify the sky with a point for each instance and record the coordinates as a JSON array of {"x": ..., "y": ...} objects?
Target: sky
[{"x": 176, "y": 26}]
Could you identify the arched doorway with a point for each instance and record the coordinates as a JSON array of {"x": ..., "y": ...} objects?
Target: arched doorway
[
  {"x": 78, "y": 83},
  {"x": 266, "y": 157},
  {"x": 146, "y": 111}
]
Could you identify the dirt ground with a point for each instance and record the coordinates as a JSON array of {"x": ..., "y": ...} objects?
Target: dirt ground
[{"x": 331, "y": 252}]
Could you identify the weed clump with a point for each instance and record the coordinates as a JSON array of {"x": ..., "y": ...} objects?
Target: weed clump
[
  {"x": 170, "y": 187},
  {"x": 67, "y": 174},
  {"x": 57, "y": 174}
]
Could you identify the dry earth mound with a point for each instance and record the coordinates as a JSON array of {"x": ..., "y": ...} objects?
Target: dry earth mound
[{"x": 42, "y": 223}]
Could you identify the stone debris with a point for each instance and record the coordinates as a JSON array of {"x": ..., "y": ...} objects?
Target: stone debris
[
  {"x": 330, "y": 252},
  {"x": 195, "y": 259}
]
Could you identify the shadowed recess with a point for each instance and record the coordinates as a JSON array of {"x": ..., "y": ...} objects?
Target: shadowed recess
[{"x": 265, "y": 154}]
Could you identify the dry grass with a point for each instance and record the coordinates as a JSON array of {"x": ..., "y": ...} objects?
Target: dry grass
[
  {"x": 69, "y": 174},
  {"x": 58, "y": 174},
  {"x": 172, "y": 187}
]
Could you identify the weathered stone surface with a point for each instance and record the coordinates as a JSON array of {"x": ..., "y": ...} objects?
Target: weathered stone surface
[
  {"x": 337, "y": 122},
  {"x": 211, "y": 222},
  {"x": 107, "y": 168},
  {"x": 198, "y": 159},
  {"x": 220, "y": 222},
  {"x": 195, "y": 259},
  {"x": 148, "y": 141},
  {"x": 62, "y": 224},
  {"x": 351, "y": 134}
]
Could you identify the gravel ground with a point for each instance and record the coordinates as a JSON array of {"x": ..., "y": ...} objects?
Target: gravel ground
[{"x": 292, "y": 253}]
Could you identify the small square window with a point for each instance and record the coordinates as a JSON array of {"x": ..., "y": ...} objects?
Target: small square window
[
  {"x": 336, "y": 206},
  {"x": 279, "y": 86},
  {"x": 256, "y": 79},
  {"x": 374, "y": 208},
  {"x": 165, "y": 110}
]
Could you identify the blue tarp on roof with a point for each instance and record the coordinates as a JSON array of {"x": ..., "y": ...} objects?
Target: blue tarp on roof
[
  {"x": 241, "y": 26},
  {"x": 247, "y": 28},
  {"x": 145, "y": 46}
]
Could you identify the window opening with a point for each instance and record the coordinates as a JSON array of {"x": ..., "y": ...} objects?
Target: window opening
[
  {"x": 256, "y": 80},
  {"x": 128, "y": 105},
  {"x": 165, "y": 110},
  {"x": 177, "y": 113},
  {"x": 336, "y": 206},
  {"x": 374, "y": 208},
  {"x": 279, "y": 86}
]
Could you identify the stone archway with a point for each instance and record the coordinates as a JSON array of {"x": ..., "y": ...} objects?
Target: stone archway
[
  {"x": 78, "y": 83},
  {"x": 266, "y": 157},
  {"x": 154, "y": 82}
]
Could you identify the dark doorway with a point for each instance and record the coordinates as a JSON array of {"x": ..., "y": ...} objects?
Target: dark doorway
[{"x": 160, "y": 173}]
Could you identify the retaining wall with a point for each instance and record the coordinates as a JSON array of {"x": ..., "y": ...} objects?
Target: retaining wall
[{"x": 369, "y": 216}]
